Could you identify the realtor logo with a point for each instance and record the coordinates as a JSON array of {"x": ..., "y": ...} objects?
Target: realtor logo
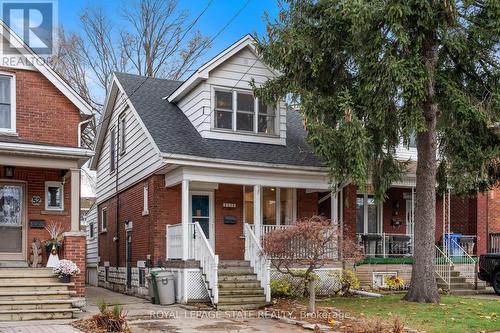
[{"x": 33, "y": 21}]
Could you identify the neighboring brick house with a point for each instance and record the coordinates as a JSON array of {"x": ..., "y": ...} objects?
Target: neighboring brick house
[
  {"x": 40, "y": 160},
  {"x": 200, "y": 169}
]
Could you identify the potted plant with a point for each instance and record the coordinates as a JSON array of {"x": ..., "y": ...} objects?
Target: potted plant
[{"x": 65, "y": 270}]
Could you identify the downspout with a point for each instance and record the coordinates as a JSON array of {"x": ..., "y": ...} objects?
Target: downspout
[
  {"x": 80, "y": 130},
  {"x": 117, "y": 226}
]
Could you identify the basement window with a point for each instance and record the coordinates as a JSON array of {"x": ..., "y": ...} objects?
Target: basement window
[{"x": 54, "y": 196}]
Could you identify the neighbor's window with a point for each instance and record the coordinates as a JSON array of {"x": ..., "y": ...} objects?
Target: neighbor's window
[
  {"x": 123, "y": 133},
  {"x": 7, "y": 109},
  {"x": 224, "y": 109},
  {"x": 145, "y": 209},
  {"x": 104, "y": 219},
  {"x": 54, "y": 196},
  {"x": 252, "y": 115},
  {"x": 112, "y": 150},
  {"x": 91, "y": 230}
]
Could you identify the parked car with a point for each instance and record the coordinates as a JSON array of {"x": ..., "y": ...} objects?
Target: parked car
[{"x": 489, "y": 270}]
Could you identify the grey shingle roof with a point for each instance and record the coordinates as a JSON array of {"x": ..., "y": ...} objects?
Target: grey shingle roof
[{"x": 175, "y": 134}]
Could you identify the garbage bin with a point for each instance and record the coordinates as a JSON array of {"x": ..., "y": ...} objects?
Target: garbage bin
[
  {"x": 452, "y": 240},
  {"x": 165, "y": 285}
]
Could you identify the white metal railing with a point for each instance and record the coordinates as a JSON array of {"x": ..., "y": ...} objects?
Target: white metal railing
[
  {"x": 258, "y": 260},
  {"x": 464, "y": 263},
  {"x": 209, "y": 261},
  {"x": 386, "y": 244},
  {"x": 174, "y": 241},
  {"x": 443, "y": 266},
  {"x": 494, "y": 243}
]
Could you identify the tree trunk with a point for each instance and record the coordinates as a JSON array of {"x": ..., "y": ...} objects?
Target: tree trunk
[
  {"x": 311, "y": 285},
  {"x": 423, "y": 287}
]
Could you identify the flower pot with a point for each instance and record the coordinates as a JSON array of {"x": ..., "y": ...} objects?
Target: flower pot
[{"x": 65, "y": 278}]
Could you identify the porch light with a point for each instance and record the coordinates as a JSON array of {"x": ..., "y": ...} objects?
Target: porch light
[{"x": 9, "y": 172}]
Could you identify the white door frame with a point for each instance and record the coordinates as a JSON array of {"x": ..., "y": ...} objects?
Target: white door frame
[
  {"x": 409, "y": 217},
  {"x": 24, "y": 214},
  {"x": 211, "y": 212}
]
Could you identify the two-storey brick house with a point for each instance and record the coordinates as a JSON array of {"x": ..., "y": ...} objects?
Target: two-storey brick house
[
  {"x": 191, "y": 173},
  {"x": 40, "y": 160}
]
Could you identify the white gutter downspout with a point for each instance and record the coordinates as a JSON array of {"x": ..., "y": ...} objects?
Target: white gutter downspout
[{"x": 80, "y": 130}]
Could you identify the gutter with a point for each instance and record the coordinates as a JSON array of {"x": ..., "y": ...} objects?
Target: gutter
[{"x": 19, "y": 147}]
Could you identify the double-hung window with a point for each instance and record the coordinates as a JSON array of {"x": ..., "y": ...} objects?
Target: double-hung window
[
  {"x": 240, "y": 111},
  {"x": 367, "y": 214},
  {"x": 224, "y": 109},
  {"x": 54, "y": 196},
  {"x": 7, "y": 104}
]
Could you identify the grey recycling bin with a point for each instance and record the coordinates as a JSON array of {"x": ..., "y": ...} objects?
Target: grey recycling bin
[{"x": 166, "y": 289}]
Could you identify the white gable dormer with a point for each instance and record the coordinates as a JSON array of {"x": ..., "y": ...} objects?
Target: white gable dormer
[{"x": 219, "y": 102}]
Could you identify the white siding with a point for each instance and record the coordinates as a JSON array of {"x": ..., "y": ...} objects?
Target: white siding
[
  {"x": 141, "y": 157},
  {"x": 235, "y": 73},
  {"x": 404, "y": 153},
  {"x": 91, "y": 221}
]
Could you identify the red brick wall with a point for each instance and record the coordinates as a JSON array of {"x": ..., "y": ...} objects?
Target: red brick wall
[
  {"x": 43, "y": 113},
  {"x": 34, "y": 182},
  {"x": 494, "y": 210},
  {"x": 482, "y": 223},
  {"x": 390, "y": 212},
  {"x": 307, "y": 204},
  {"x": 229, "y": 243},
  {"x": 148, "y": 232},
  {"x": 350, "y": 211},
  {"x": 74, "y": 250}
]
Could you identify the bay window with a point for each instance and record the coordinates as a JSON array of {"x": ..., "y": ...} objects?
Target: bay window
[
  {"x": 277, "y": 205},
  {"x": 240, "y": 111}
]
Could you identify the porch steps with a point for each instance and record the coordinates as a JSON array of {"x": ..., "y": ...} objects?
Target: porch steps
[
  {"x": 459, "y": 285},
  {"x": 13, "y": 263},
  {"x": 239, "y": 288},
  {"x": 34, "y": 294}
]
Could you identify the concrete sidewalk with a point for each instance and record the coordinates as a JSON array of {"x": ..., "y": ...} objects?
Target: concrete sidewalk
[{"x": 145, "y": 317}]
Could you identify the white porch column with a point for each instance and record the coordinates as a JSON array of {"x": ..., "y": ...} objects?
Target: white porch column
[
  {"x": 185, "y": 219},
  {"x": 75, "y": 199},
  {"x": 334, "y": 207},
  {"x": 257, "y": 210}
]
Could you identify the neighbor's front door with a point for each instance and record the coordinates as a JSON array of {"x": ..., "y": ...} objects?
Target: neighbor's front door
[
  {"x": 11, "y": 221},
  {"x": 202, "y": 212}
]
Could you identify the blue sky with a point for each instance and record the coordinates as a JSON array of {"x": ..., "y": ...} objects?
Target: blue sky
[{"x": 218, "y": 14}]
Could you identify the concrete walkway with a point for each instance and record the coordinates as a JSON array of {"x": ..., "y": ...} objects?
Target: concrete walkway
[{"x": 145, "y": 317}]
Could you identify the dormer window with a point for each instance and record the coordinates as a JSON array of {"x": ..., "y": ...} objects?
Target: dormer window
[{"x": 240, "y": 111}]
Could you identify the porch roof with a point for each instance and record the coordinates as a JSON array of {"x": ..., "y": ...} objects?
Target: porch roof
[{"x": 173, "y": 133}]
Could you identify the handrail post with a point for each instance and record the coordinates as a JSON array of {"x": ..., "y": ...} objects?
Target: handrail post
[{"x": 166, "y": 243}]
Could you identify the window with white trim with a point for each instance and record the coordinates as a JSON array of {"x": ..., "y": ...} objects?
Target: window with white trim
[
  {"x": 54, "y": 196},
  {"x": 112, "y": 150},
  {"x": 367, "y": 214},
  {"x": 240, "y": 111},
  {"x": 104, "y": 219},
  {"x": 7, "y": 103},
  {"x": 145, "y": 210},
  {"x": 123, "y": 133}
]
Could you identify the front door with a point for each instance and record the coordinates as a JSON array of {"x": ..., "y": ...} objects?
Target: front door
[
  {"x": 202, "y": 212},
  {"x": 11, "y": 221}
]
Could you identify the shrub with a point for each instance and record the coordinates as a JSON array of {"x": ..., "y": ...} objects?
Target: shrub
[
  {"x": 281, "y": 287},
  {"x": 394, "y": 282},
  {"x": 347, "y": 280},
  {"x": 111, "y": 320}
]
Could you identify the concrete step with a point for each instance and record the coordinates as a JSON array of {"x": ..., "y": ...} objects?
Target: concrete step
[
  {"x": 28, "y": 280},
  {"x": 16, "y": 295},
  {"x": 241, "y": 299},
  {"x": 36, "y": 314},
  {"x": 26, "y": 272},
  {"x": 240, "y": 291},
  {"x": 36, "y": 304},
  {"x": 234, "y": 263},
  {"x": 235, "y": 270},
  {"x": 241, "y": 277},
  {"x": 236, "y": 307},
  {"x": 239, "y": 284},
  {"x": 13, "y": 263}
]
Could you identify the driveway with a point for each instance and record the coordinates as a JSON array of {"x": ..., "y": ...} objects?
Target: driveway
[{"x": 146, "y": 317}]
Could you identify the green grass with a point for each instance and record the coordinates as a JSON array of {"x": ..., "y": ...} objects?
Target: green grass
[{"x": 453, "y": 314}]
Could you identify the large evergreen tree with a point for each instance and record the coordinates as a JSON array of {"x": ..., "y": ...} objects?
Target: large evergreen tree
[{"x": 369, "y": 74}]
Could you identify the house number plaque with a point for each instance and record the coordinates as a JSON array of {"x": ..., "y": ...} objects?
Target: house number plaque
[
  {"x": 36, "y": 200},
  {"x": 228, "y": 205}
]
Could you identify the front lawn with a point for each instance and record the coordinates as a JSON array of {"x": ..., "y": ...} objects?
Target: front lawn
[{"x": 453, "y": 314}]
